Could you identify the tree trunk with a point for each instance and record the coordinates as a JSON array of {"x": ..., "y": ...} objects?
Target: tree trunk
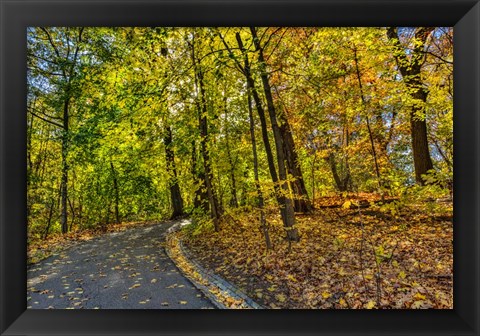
[
  {"x": 49, "y": 220},
  {"x": 364, "y": 104},
  {"x": 203, "y": 126},
  {"x": 67, "y": 67},
  {"x": 263, "y": 125},
  {"x": 411, "y": 73},
  {"x": 175, "y": 195},
  {"x": 301, "y": 202},
  {"x": 201, "y": 199},
  {"x": 243, "y": 196},
  {"x": 233, "y": 200},
  {"x": 314, "y": 161},
  {"x": 29, "y": 166},
  {"x": 212, "y": 199},
  {"x": 64, "y": 187},
  {"x": 260, "y": 200},
  {"x": 72, "y": 209},
  {"x": 286, "y": 195},
  {"x": 344, "y": 183},
  {"x": 261, "y": 115},
  {"x": 421, "y": 153},
  {"x": 115, "y": 193}
]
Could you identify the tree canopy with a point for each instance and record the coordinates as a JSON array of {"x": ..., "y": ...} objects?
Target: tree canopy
[
  {"x": 241, "y": 125},
  {"x": 141, "y": 123}
]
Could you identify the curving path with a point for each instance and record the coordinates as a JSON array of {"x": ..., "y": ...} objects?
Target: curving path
[{"x": 124, "y": 270}]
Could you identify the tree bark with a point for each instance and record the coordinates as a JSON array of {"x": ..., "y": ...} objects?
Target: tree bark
[
  {"x": 64, "y": 187},
  {"x": 234, "y": 199},
  {"x": 260, "y": 199},
  {"x": 261, "y": 113},
  {"x": 263, "y": 124},
  {"x": 344, "y": 183},
  {"x": 72, "y": 209},
  {"x": 175, "y": 195},
  {"x": 49, "y": 220},
  {"x": 301, "y": 201},
  {"x": 67, "y": 67},
  {"x": 410, "y": 70},
  {"x": 286, "y": 195},
  {"x": 203, "y": 126},
  {"x": 116, "y": 193},
  {"x": 201, "y": 199},
  {"x": 364, "y": 104}
]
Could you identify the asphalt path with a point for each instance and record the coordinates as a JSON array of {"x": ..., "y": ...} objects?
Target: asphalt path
[{"x": 122, "y": 270}]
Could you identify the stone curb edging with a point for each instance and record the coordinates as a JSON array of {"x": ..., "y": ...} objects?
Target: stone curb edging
[
  {"x": 220, "y": 282},
  {"x": 212, "y": 278},
  {"x": 198, "y": 285}
]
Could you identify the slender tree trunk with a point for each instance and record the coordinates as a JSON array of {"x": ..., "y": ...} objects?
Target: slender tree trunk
[
  {"x": 347, "y": 178},
  {"x": 447, "y": 161},
  {"x": 29, "y": 149},
  {"x": 72, "y": 209},
  {"x": 261, "y": 114},
  {"x": 301, "y": 201},
  {"x": 208, "y": 172},
  {"x": 364, "y": 104},
  {"x": 175, "y": 195},
  {"x": 115, "y": 192},
  {"x": 314, "y": 161},
  {"x": 49, "y": 220},
  {"x": 260, "y": 199},
  {"x": 203, "y": 126},
  {"x": 64, "y": 187},
  {"x": 68, "y": 72},
  {"x": 29, "y": 166},
  {"x": 233, "y": 200},
  {"x": 343, "y": 184},
  {"x": 80, "y": 213},
  {"x": 201, "y": 198},
  {"x": 243, "y": 197},
  {"x": 263, "y": 125},
  {"x": 286, "y": 196},
  {"x": 410, "y": 68}
]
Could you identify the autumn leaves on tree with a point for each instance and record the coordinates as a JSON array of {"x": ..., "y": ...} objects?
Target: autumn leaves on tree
[{"x": 149, "y": 123}]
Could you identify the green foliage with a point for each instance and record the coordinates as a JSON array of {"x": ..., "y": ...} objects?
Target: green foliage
[
  {"x": 201, "y": 223},
  {"x": 125, "y": 86}
]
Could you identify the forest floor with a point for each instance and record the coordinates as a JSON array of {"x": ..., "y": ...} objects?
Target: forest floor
[
  {"x": 118, "y": 270},
  {"x": 348, "y": 256},
  {"x": 373, "y": 256}
]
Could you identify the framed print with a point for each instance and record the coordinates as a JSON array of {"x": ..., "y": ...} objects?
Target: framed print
[{"x": 291, "y": 157}]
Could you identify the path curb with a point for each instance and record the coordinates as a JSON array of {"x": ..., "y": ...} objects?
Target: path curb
[{"x": 212, "y": 278}]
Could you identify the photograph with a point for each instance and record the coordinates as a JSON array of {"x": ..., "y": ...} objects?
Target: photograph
[{"x": 240, "y": 167}]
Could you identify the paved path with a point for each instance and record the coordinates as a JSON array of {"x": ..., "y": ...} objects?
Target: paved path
[{"x": 125, "y": 270}]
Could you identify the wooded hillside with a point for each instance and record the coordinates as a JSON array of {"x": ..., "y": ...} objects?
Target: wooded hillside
[{"x": 231, "y": 126}]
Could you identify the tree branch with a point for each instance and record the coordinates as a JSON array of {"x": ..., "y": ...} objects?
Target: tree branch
[{"x": 46, "y": 120}]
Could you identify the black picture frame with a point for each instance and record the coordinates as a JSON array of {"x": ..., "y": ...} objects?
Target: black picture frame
[{"x": 15, "y": 16}]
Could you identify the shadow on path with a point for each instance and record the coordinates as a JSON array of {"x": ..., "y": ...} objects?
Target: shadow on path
[{"x": 121, "y": 270}]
